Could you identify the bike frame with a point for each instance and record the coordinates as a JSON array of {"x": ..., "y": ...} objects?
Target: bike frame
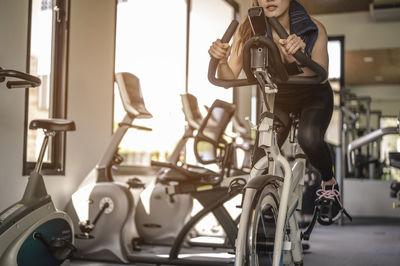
[
  {"x": 290, "y": 191},
  {"x": 255, "y": 65}
]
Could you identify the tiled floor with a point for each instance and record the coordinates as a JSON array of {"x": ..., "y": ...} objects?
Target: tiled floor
[{"x": 362, "y": 243}]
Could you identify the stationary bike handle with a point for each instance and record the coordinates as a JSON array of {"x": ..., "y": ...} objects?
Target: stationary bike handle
[
  {"x": 24, "y": 80},
  {"x": 320, "y": 72}
]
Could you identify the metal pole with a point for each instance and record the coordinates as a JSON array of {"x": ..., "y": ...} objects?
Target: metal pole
[
  {"x": 39, "y": 162},
  {"x": 340, "y": 162}
]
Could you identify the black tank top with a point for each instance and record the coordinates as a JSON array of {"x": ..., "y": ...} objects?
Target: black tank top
[{"x": 292, "y": 97}]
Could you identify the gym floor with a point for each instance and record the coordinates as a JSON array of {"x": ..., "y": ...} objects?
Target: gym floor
[{"x": 364, "y": 242}]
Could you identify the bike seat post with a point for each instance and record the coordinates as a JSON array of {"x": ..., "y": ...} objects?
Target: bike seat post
[
  {"x": 39, "y": 162},
  {"x": 293, "y": 127}
]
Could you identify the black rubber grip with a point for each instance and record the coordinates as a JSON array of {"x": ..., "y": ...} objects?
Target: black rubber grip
[
  {"x": 281, "y": 77},
  {"x": 19, "y": 84},
  {"x": 212, "y": 67},
  {"x": 29, "y": 80},
  {"x": 2, "y": 78},
  {"x": 229, "y": 31},
  {"x": 278, "y": 28},
  {"x": 301, "y": 57}
]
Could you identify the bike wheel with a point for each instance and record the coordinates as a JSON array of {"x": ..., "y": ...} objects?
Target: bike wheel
[{"x": 262, "y": 227}]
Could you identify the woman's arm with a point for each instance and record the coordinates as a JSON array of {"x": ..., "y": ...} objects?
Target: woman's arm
[
  {"x": 235, "y": 60},
  {"x": 227, "y": 69},
  {"x": 319, "y": 52},
  {"x": 293, "y": 43}
]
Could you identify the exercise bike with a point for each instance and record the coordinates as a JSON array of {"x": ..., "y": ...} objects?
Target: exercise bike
[
  {"x": 268, "y": 231},
  {"x": 394, "y": 157},
  {"x": 208, "y": 232},
  {"x": 112, "y": 217},
  {"x": 33, "y": 231}
]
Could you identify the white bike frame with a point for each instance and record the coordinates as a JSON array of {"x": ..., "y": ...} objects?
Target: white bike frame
[{"x": 290, "y": 192}]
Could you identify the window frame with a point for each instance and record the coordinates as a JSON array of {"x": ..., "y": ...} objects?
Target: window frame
[
  {"x": 236, "y": 15},
  {"x": 58, "y": 88}
]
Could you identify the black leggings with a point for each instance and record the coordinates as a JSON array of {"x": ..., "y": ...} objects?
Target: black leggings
[{"x": 315, "y": 106}]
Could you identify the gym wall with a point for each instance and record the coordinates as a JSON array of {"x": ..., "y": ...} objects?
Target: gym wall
[
  {"x": 361, "y": 32},
  {"x": 13, "y": 53},
  {"x": 90, "y": 92}
]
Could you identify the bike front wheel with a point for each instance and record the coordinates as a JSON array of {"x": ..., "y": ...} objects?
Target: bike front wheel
[{"x": 262, "y": 227}]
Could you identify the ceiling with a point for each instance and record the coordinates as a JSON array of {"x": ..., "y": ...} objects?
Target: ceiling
[
  {"x": 370, "y": 67},
  {"x": 315, "y": 7}
]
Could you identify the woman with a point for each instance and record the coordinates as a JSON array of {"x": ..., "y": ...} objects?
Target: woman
[{"x": 314, "y": 103}]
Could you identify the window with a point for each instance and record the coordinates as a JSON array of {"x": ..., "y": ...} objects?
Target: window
[
  {"x": 47, "y": 59},
  {"x": 154, "y": 46},
  {"x": 206, "y": 25},
  {"x": 336, "y": 79}
]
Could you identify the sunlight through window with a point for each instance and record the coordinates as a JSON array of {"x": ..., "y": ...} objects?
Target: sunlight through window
[
  {"x": 151, "y": 44},
  {"x": 206, "y": 25}
]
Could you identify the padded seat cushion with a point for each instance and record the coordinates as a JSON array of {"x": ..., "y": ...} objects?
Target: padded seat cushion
[
  {"x": 193, "y": 174},
  {"x": 53, "y": 124}
]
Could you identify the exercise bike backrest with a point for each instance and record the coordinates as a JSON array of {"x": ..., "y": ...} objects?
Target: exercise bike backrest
[
  {"x": 131, "y": 95},
  {"x": 190, "y": 108},
  {"x": 132, "y": 100},
  {"x": 209, "y": 144}
]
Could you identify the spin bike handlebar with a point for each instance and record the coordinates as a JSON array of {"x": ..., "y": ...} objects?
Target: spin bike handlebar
[
  {"x": 24, "y": 80},
  {"x": 262, "y": 41}
]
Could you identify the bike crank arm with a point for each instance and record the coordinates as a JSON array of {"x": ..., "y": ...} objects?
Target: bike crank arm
[{"x": 307, "y": 233}]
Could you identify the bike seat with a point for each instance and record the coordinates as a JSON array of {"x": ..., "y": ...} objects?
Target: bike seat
[
  {"x": 192, "y": 174},
  {"x": 53, "y": 124}
]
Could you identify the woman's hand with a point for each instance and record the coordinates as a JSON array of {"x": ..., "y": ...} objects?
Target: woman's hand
[
  {"x": 220, "y": 51},
  {"x": 290, "y": 46}
]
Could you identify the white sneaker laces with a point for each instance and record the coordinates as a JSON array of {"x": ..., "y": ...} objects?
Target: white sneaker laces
[{"x": 328, "y": 194}]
